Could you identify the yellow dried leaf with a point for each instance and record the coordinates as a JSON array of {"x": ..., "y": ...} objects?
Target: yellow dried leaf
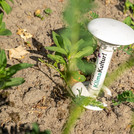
[
  {"x": 24, "y": 34},
  {"x": 37, "y": 12},
  {"x": 17, "y": 53}
]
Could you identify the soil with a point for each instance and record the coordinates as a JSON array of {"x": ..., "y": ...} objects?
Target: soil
[{"x": 41, "y": 98}]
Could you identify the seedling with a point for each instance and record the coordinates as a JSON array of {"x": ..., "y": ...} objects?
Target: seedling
[
  {"x": 5, "y": 6},
  {"x": 126, "y": 96},
  {"x": 3, "y": 30},
  {"x": 48, "y": 11},
  {"x": 93, "y": 15},
  {"x": 6, "y": 74},
  {"x": 38, "y": 14}
]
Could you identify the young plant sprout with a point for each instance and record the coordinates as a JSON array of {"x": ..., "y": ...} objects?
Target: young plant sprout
[
  {"x": 37, "y": 13},
  {"x": 111, "y": 34}
]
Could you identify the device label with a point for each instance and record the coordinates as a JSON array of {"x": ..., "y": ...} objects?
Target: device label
[{"x": 100, "y": 69}]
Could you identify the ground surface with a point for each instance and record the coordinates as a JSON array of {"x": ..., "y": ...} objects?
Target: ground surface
[{"x": 40, "y": 99}]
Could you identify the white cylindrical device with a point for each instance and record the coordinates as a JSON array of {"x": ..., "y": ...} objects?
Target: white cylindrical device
[
  {"x": 111, "y": 33},
  {"x": 102, "y": 64}
]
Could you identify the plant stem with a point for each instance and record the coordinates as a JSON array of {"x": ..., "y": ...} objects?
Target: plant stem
[
  {"x": 68, "y": 87},
  {"x": 75, "y": 113},
  {"x": 119, "y": 71},
  {"x": 51, "y": 66}
]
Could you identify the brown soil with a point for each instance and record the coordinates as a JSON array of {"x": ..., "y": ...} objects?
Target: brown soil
[{"x": 41, "y": 98}]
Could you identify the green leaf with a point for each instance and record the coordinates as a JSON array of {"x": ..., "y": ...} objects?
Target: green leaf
[
  {"x": 48, "y": 11},
  {"x": 86, "y": 67},
  {"x": 76, "y": 47},
  {"x": 67, "y": 44},
  {"x": 13, "y": 69},
  {"x": 85, "y": 52},
  {"x": 5, "y": 32},
  {"x": 6, "y": 7},
  {"x": 78, "y": 77},
  {"x": 94, "y": 15},
  {"x": 57, "y": 39},
  {"x": 46, "y": 132},
  {"x": 128, "y": 21},
  {"x": 13, "y": 82},
  {"x": 126, "y": 96},
  {"x": 57, "y": 49},
  {"x": 89, "y": 68},
  {"x": 1, "y": 84},
  {"x": 3, "y": 59},
  {"x": 84, "y": 101},
  {"x": 76, "y": 64},
  {"x": 2, "y": 73},
  {"x": 56, "y": 58},
  {"x": 35, "y": 128},
  {"x": 3, "y": 26},
  {"x": 1, "y": 17}
]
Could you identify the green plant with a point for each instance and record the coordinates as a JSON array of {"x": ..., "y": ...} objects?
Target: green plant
[
  {"x": 5, "y": 6},
  {"x": 36, "y": 130},
  {"x": 37, "y": 13},
  {"x": 129, "y": 6},
  {"x": 126, "y": 96},
  {"x": 110, "y": 78},
  {"x": 93, "y": 15},
  {"x": 128, "y": 48},
  {"x": 48, "y": 11},
  {"x": 3, "y": 30},
  {"x": 129, "y": 21},
  {"x": 6, "y": 74},
  {"x": 73, "y": 44},
  {"x": 69, "y": 56}
]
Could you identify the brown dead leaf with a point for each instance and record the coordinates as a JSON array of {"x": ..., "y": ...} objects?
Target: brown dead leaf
[
  {"x": 17, "y": 53},
  {"x": 24, "y": 34}
]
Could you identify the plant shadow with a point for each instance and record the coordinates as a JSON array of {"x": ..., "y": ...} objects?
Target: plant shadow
[
  {"x": 58, "y": 93},
  {"x": 17, "y": 129}
]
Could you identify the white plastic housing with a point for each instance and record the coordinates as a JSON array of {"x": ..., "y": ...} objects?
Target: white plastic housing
[
  {"x": 111, "y": 31},
  {"x": 102, "y": 63},
  {"x": 81, "y": 88}
]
